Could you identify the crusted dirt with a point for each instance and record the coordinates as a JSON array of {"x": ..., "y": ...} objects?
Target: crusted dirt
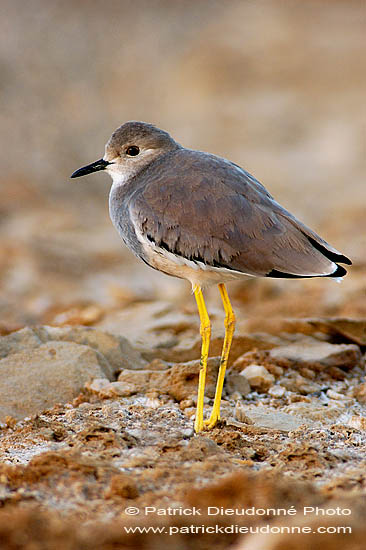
[
  {"x": 72, "y": 473},
  {"x": 277, "y": 88}
]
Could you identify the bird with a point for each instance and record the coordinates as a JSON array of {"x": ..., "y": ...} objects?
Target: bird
[{"x": 200, "y": 217}]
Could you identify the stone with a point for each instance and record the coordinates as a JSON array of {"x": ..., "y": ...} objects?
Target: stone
[
  {"x": 114, "y": 352},
  {"x": 275, "y": 420},
  {"x": 153, "y": 403},
  {"x": 185, "y": 404},
  {"x": 97, "y": 384},
  {"x": 188, "y": 348},
  {"x": 240, "y": 414},
  {"x": 148, "y": 325},
  {"x": 296, "y": 383},
  {"x": 358, "y": 422},
  {"x": 237, "y": 382},
  {"x": 352, "y": 329},
  {"x": 312, "y": 412},
  {"x": 143, "y": 380},
  {"x": 258, "y": 377},
  {"x": 117, "y": 350},
  {"x": 318, "y": 356},
  {"x": 359, "y": 392},
  {"x": 79, "y": 315},
  {"x": 106, "y": 389},
  {"x": 236, "y": 396},
  {"x": 116, "y": 389},
  {"x": 26, "y": 338},
  {"x": 277, "y": 391},
  {"x": 183, "y": 380},
  {"x": 179, "y": 381},
  {"x": 34, "y": 380},
  {"x": 338, "y": 396}
]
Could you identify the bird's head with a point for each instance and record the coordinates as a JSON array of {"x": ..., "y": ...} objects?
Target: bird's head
[{"x": 132, "y": 147}]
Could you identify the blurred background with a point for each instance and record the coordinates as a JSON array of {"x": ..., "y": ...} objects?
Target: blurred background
[{"x": 276, "y": 86}]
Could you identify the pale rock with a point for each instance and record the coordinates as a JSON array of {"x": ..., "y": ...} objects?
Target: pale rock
[
  {"x": 296, "y": 383},
  {"x": 237, "y": 382},
  {"x": 183, "y": 380},
  {"x": 117, "y": 389},
  {"x": 180, "y": 381},
  {"x": 240, "y": 414},
  {"x": 97, "y": 384},
  {"x": 142, "y": 380},
  {"x": 277, "y": 391},
  {"x": 114, "y": 352},
  {"x": 158, "y": 330},
  {"x": 358, "y": 422},
  {"x": 236, "y": 396},
  {"x": 352, "y": 329},
  {"x": 26, "y": 338},
  {"x": 258, "y": 377},
  {"x": 275, "y": 420},
  {"x": 359, "y": 392},
  {"x": 319, "y": 355},
  {"x": 153, "y": 403},
  {"x": 310, "y": 411},
  {"x": 105, "y": 389},
  {"x": 338, "y": 396},
  {"x": 36, "y": 379}
]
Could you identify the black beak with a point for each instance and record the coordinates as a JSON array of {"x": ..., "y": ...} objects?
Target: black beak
[{"x": 93, "y": 167}]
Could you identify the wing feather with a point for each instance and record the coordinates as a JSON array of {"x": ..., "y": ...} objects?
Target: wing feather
[{"x": 204, "y": 208}]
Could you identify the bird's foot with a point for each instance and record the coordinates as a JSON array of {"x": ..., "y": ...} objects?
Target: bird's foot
[
  {"x": 212, "y": 421},
  {"x": 198, "y": 426}
]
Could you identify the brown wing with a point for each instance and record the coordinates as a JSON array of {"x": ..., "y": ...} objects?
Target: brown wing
[{"x": 204, "y": 208}]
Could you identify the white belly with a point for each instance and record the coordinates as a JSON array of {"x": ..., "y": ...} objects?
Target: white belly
[{"x": 197, "y": 273}]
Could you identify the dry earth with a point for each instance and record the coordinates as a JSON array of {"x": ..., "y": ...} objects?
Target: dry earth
[
  {"x": 292, "y": 437},
  {"x": 98, "y": 354}
]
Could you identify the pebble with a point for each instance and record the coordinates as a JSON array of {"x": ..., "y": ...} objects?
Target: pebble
[
  {"x": 335, "y": 395},
  {"x": 359, "y": 392},
  {"x": 358, "y": 422},
  {"x": 236, "y": 396},
  {"x": 277, "y": 391},
  {"x": 297, "y": 383},
  {"x": 97, "y": 384},
  {"x": 117, "y": 389},
  {"x": 258, "y": 377},
  {"x": 237, "y": 382},
  {"x": 185, "y": 404},
  {"x": 240, "y": 414},
  {"x": 153, "y": 403}
]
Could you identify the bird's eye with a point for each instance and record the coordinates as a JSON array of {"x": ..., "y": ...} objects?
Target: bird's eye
[{"x": 132, "y": 151}]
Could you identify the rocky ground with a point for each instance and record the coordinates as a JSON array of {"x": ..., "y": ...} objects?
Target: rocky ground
[
  {"x": 93, "y": 427},
  {"x": 98, "y": 353}
]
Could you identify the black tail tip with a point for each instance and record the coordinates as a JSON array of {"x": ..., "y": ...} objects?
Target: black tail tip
[
  {"x": 344, "y": 260},
  {"x": 339, "y": 272}
]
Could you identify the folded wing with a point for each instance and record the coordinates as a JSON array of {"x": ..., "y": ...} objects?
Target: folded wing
[{"x": 209, "y": 210}]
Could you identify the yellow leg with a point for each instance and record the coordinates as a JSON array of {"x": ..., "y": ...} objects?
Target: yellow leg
[
  {"x": 229, "y": 331},
  {"x": 205, "y": 335}
]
